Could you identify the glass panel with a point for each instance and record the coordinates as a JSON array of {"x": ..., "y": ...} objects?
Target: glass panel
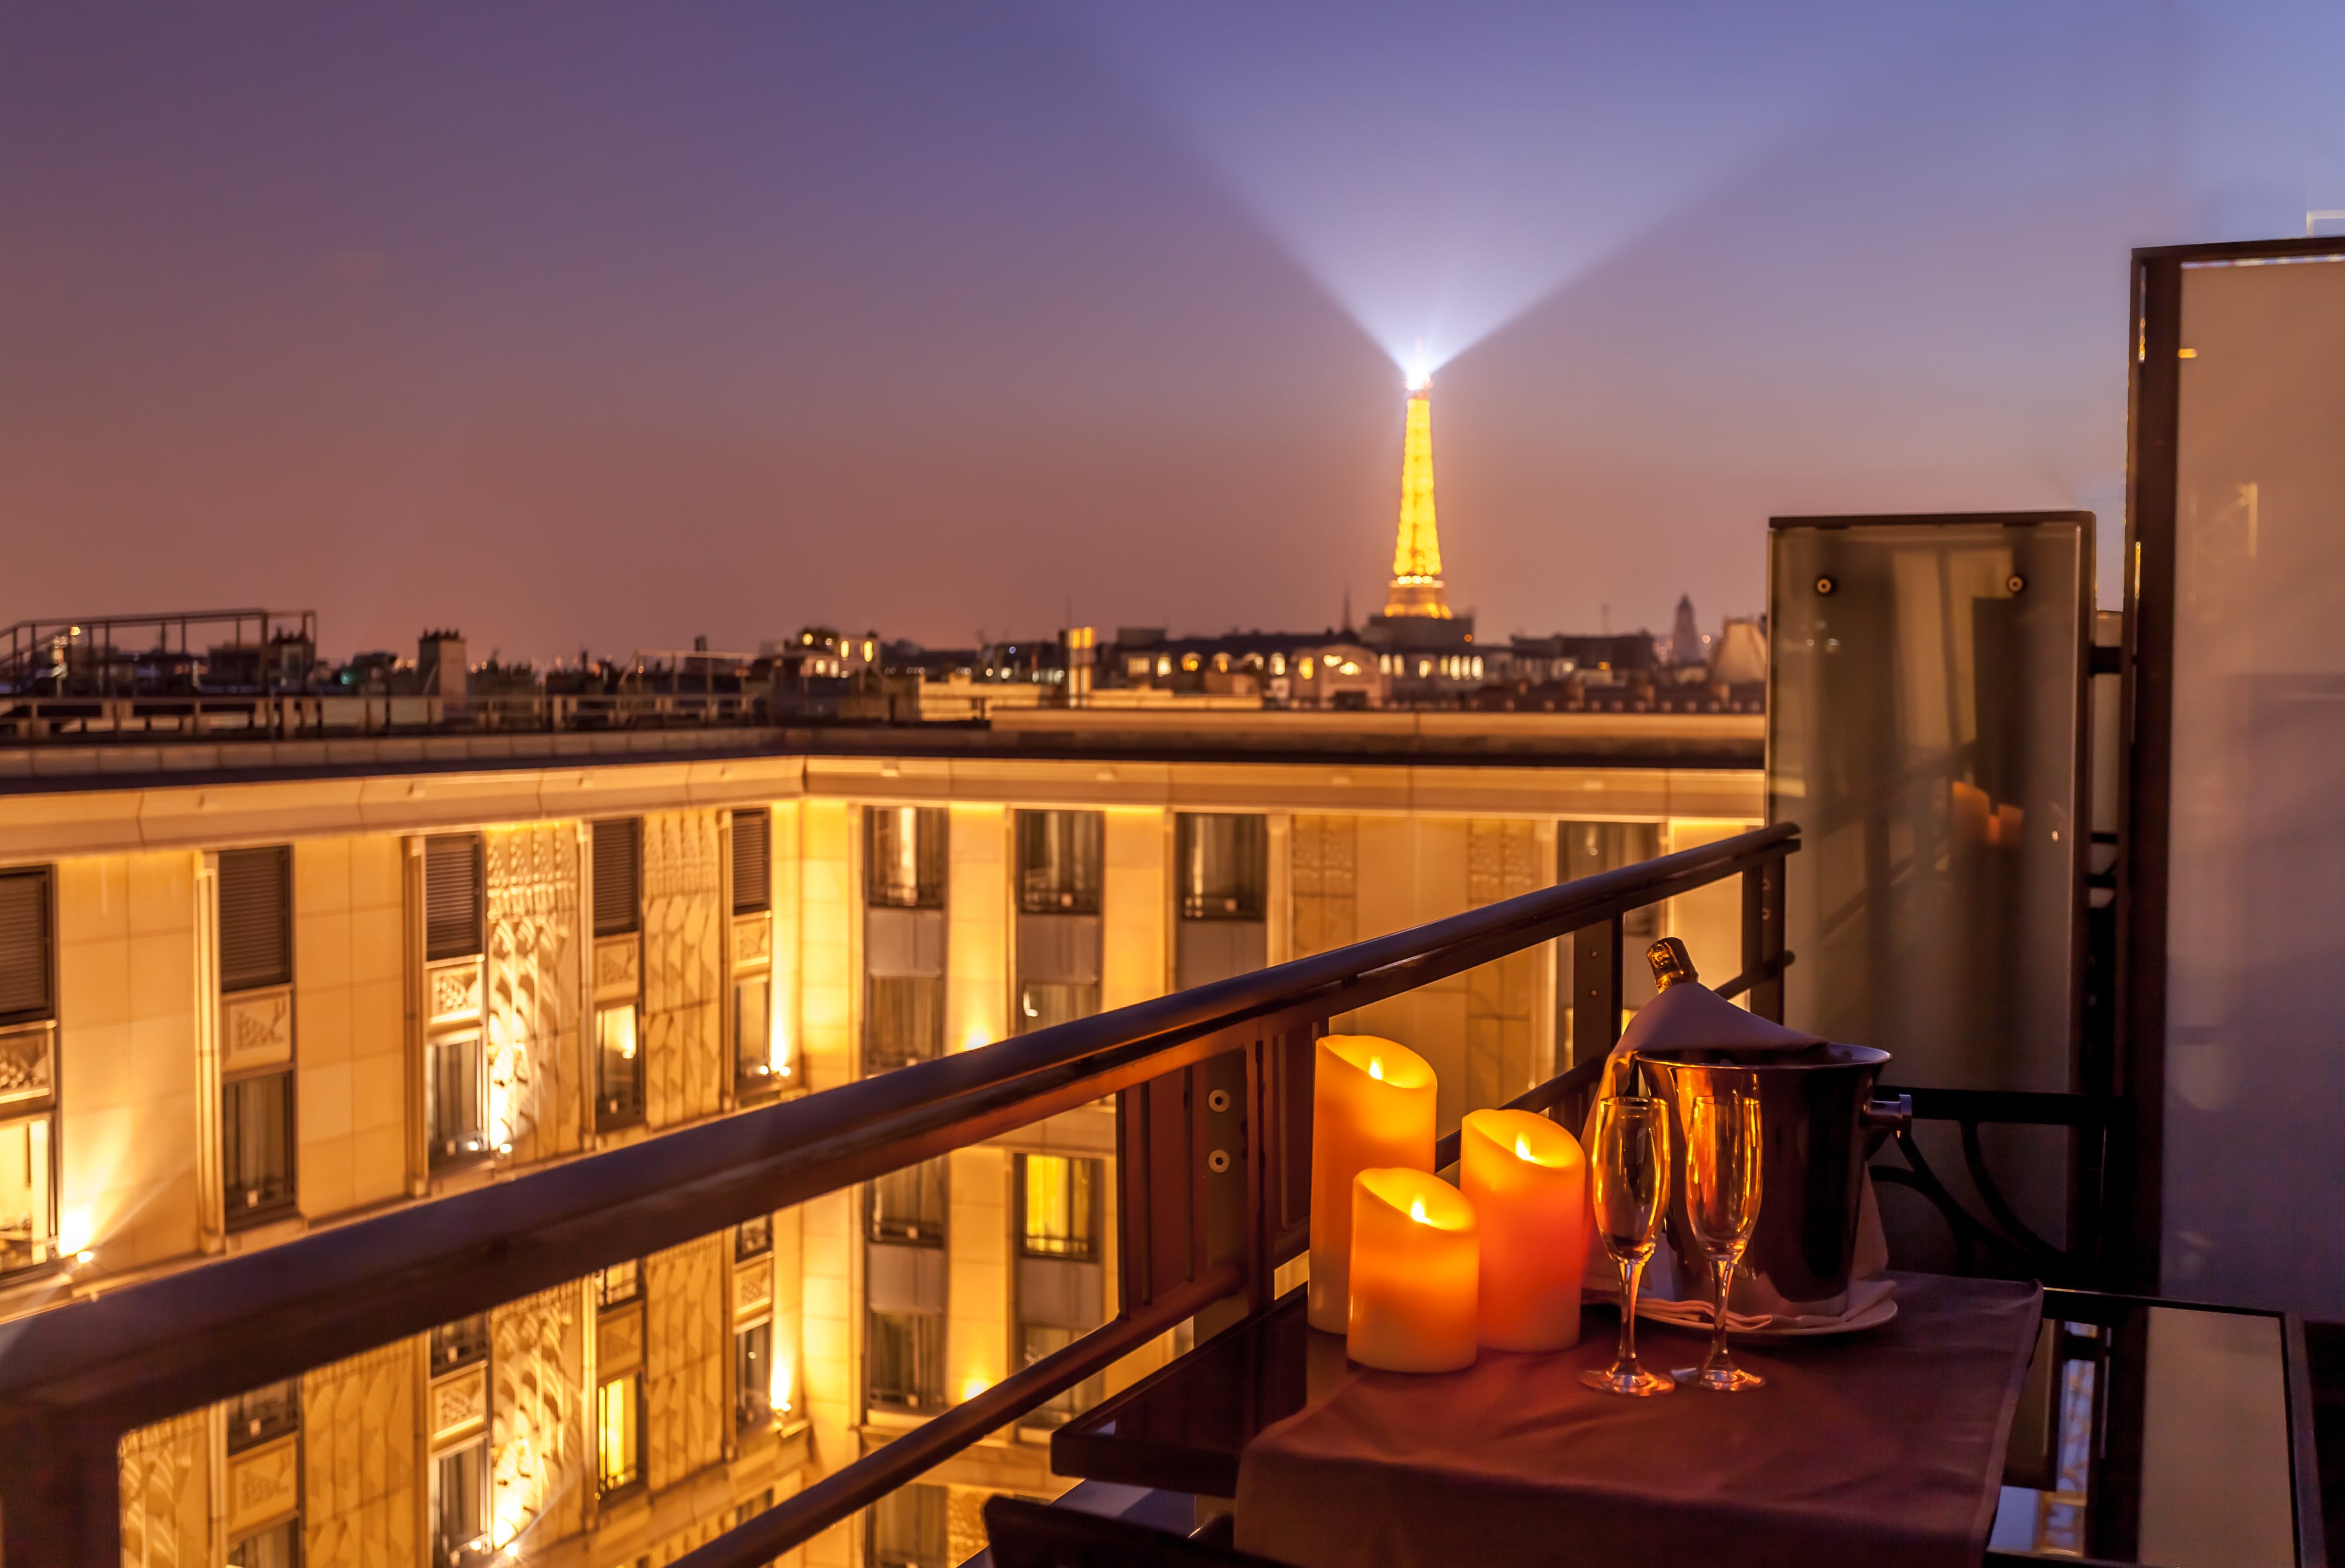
[
  {"x": 753, "y": 1031},
  {"x": 257, "y": 1124},
  {"x": 1039, "y": 1006},
  {"x": 464, "y": 1341},
  {"x": 456, "y": 1090},
  {"x": 908, "y": 1205},
  {"x": 1059, "y": 1199},
  {"x": 256, "y": 1415},
  {"x": 1060, "y": 859},
  {"x": 908, "y": 1529},
  {"x": 1925, "y": 732},
  {"x": 2201, "y": 1476},
  {"x": 1225, "y": 867},
  {"x": 27, "y": 1202},
  {"x": 908, "y": 1359},
  {"x": 904, "y": 1022},
  {"x": 752, "y": 1370},
  {"x": 1037, "y": 1340},
  {"x": 619, "y": 1066},
  {"x": 904, "y": 850},
  {"x": 620, "y": 1282},
  {"x": 460, "y": 1506},
  {"x": 619, "y": 1432},
  {"x": 2256, "y": 894},
  {"x": 278, "y": 1546}
]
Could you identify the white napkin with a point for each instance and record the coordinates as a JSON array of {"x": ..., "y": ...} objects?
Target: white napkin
[{"x": 1864, "y": 1296}]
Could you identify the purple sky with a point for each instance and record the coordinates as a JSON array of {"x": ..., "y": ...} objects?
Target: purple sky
[{"x": 613, "y": 326}]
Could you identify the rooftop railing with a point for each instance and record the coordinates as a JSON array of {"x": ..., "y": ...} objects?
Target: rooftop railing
[{"x": 1213, "y": 1120}]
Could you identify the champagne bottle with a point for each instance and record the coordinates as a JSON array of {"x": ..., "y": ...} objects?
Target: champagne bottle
[{"x": 1671, "y": 963}]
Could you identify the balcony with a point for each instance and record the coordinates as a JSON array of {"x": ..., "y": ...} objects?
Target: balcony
[{"x": 1212, "y": 1085}]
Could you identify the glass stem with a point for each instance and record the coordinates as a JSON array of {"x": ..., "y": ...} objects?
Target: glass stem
[
  {"x": 1636, "y": 1274},
  {"x": 1722, "y": 1270}
]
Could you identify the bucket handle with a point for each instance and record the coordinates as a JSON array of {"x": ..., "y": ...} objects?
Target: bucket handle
[{"x": 1883, "y": 1119}]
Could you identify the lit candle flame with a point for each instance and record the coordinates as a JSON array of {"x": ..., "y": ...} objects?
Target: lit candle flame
[
  {"x": 1417, "y": 1211},
  {"x": 1522, "y": 1148},
  {"x": 1377, "y": 1069}
]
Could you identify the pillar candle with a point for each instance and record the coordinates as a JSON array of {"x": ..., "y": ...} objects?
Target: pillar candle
[
  {"x": 1372, "y": 1104},
  {"x": 1527, "y": 1182},
  {"x": 1415, "y": 1272}
]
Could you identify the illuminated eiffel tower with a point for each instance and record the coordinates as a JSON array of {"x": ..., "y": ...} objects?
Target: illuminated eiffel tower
[{"x": 1416, "y": 588}]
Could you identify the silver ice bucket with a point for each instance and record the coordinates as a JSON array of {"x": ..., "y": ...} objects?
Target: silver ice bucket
[{"x": 1819, "y": 1123}]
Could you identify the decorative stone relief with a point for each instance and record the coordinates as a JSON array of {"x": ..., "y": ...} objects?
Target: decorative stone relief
[
  {"x": 753, "y": 938},
  {"x": 534, "y": 942},
  {"x": 1501, "y": 862},
  {"x": 753, "y": 1286},
  {"x": 454, "y": 991},
  {"x": 618, "y": 968},
  {"x": 539, "y": 1479},
  {"x": 685, "y": 1354},
  {"x": 264, "y": 1485},
  {"x": 618, "y": 1341},
  {"x": 459, "y": 1405},
  {"x": 1324, "y": 857},
  {"x": 256, "y": 1029},
  {"x": 685, "y": 1068},
  {"x": 359, "y": 1460},
  {"x": 166, "y": 1480}
]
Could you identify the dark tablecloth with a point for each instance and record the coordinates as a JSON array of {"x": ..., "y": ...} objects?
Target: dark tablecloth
[{"x": 1876, "y": 1449}]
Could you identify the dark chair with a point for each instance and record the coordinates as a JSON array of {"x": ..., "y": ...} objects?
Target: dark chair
[{"x": 1024, "y": 1534}]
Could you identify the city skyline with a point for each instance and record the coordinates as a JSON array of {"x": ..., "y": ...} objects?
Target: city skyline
[{"x": 566, "y": 329}]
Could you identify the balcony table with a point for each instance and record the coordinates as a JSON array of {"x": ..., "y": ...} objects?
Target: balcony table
[{"x": 2141, "y": 1430}]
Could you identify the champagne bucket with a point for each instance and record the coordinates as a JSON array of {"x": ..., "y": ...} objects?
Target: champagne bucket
[{"x": 1819, "y": 1123}]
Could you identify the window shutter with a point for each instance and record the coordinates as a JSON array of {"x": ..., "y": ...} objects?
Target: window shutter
[
  {"x": 753, "y": 861},
  {"x": 25, "y": 946},
  {"x": 618, "y": 875},
  {"x": 256, "y": 931},
  {"x": 451, "y": 896}
]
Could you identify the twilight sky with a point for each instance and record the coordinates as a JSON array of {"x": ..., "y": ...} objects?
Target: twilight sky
[{"x": 572, "y": 324}]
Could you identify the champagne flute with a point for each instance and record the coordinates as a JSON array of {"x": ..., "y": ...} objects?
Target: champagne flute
[
  {"x": 1723, "y": 1154},
  {"x": 1628, "y": 1173}
]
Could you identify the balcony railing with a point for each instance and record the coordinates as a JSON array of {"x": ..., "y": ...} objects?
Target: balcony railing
[{"x": 1213, "y": 1135}]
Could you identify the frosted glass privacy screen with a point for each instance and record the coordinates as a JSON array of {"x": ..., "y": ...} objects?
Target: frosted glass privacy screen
[{"x": 1924, "y": 728}]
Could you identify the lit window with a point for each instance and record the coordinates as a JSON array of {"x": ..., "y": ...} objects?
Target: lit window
[
  {"x": 621, "y": 1431},
  {"x": 1060, "y": 1205},
  {"x": 1189, "y": 662},
  {"x": 1278, "y": 663},
  {"x": 1221, "y": 663},
  {"x": 1351, "y": 667},
  {"x": 1165, "y": 663},
  {"x": 1306, "y": 666},
  {"x": 1424, "y": 667}
]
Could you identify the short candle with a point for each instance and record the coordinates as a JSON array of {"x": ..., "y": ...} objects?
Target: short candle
[
  {"x": 1415, "y": 1267},
  {"x": 1527, "y": 1182},
  {"x": 1373, "y": 1103}
]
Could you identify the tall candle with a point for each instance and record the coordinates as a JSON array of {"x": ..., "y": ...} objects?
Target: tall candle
[
  {"x": 1527, "y": 1182},
  {"x": 1416, "y": 1268},
  {"x": 1372, "y": 1104}
]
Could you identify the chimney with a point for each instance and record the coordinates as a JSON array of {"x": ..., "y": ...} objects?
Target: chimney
[{"x": 439, "y": 665}]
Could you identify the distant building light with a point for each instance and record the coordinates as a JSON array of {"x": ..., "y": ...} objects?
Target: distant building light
[
  {"x": 1278, "y": 663},
  {"x": 1189, "y": 662},
  {"x": 1306, "y": 666},
  {"x": 1165, "y": 663}
]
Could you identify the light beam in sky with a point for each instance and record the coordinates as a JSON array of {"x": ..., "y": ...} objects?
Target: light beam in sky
[{"x": 1438, "y": 177}]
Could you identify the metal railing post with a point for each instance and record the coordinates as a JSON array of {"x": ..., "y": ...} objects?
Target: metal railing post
[{"x": 1595, "y": 990}]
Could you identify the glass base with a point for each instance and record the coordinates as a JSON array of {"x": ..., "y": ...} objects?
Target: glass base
[
  {"x": 1632, "y": 1380},
  {"x": 1727, "y": 1380}
]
